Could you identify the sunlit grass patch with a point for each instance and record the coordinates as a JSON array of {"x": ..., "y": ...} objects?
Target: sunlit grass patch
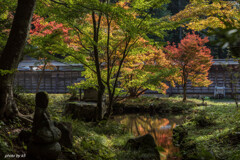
[{"x": 216, "y": 139}]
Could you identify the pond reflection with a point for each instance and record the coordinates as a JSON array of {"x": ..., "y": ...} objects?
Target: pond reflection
[{"x": 160, "y": 128}]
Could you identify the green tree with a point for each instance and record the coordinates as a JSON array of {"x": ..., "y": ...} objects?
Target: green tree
[
  {"x": 6, "y": 17},
  {"x": 202, "y": 14},
  {"x": 149, "y": 70},
  {"x": 228, "y": 37},
  {"x": 105, "y": 34},
  {"x": 12, "y": 53}
]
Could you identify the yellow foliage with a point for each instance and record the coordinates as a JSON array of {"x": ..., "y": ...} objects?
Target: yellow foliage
[{"x": 203, "y": 15}]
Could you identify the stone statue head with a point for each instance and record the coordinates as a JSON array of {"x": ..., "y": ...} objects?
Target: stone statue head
[{"x": 41, "y": 100}]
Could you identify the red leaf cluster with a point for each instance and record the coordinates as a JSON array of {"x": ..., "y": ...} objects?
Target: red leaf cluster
[{"x": 42, "y": 28}]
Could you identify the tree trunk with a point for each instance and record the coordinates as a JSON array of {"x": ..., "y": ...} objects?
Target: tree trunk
[
  {"x": 184, "y": 91},
  {"x": 136, "y": 92},
  {"x": 110, "y": 107},
  {"x": 184, "y": 85},
  {"x": 41, "y": 77},
  {"x": 132, "y": 92},
  {"x": 101, "y": 87},
  {"x": 101, "y": 90},
  {"x": 12, "y": 53},
  {"x": 184, "y": 82},
  {"x": 8, "y": 106},
  {"x": 233, "y": 86}
]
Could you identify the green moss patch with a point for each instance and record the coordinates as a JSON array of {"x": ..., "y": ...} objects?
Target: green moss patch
[
  {"x": 210, "y": 132},
  {"x": 154, "y": 105}
]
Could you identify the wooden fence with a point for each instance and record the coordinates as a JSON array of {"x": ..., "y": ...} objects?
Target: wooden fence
[
  {"x": 52, "y": 81},
  {"x": 57, "y": 82},
  {"x": 219, "y": 76}
]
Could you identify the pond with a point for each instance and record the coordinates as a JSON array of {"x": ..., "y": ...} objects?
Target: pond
[{"x": 160, "y": 127}]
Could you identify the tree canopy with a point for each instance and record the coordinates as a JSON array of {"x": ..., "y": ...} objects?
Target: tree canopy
[{"x": 194, "y": 60}]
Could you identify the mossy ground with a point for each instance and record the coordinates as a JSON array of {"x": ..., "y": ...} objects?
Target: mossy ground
[
  {"x": 212, "y": 132},
  {"x": 217, "y": 140},
  {"x": 91, "y": 141}
]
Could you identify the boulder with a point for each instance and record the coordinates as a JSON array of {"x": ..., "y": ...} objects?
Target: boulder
[
  {"x": 145, "y": 145},
  {"x": 86, "y": 111},
  {"x": 67, "y": 137}
]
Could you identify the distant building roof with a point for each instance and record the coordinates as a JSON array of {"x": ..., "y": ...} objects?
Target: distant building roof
[
  {"x": 28, "y": 62},
  {"x": 225, "y": 62}
]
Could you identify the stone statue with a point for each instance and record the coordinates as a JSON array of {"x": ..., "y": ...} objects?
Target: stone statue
[{"x": 45, "y": 136}]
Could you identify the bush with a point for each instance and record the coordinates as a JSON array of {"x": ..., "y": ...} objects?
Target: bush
[
  {"x": 101, "y": 141},
  {"x": 231, "y": 137},
  {"x": 179, "y": 133},
  {"x": 4, "y": 148},
  {"x": 203, "y": 119},
  {"x": 25, "y": 102},
  {"x": 110, "y": 128}
]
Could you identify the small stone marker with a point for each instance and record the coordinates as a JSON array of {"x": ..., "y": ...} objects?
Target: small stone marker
[
  {"x": 219, "y": 91},
  {"x": 87, "y": 108},
  {"x": 90, "y": 95},
  {"x": 45, "y": 136}
]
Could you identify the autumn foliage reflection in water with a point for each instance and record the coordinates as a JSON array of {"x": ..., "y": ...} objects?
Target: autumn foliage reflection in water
[{"x": 160, "y": 128}]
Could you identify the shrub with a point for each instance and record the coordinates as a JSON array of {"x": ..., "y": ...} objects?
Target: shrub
[
  {"x": 4, "y": 148},
  {"x": 203, "y": 119},
  {"x": 179, "y": 133}
]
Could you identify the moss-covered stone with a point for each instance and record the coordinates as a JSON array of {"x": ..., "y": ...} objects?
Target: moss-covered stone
[{"x": 144, "y": 145}]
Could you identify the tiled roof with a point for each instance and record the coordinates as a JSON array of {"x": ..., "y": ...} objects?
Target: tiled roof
[
  {"x": 29, "y": 62},
  {"x": 225, "y": 62}
]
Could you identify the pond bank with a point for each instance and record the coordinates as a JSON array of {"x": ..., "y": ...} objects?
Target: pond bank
[
  {"x": 153, "y": 105},
  {"x": 211, "y": 132}
]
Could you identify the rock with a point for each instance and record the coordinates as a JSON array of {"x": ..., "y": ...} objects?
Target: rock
[
  {"x": 86, "y": 111},
  {"x": 145, "y": 145},
  {"x": 67, "y": 137}
]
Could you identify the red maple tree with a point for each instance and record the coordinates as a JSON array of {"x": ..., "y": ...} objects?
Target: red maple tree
[{"x": 193, "y": 59}]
